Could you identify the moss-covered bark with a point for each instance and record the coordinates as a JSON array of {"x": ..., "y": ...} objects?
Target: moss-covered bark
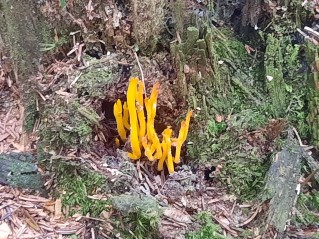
[
  {"x": 20, "y": 28},
  {"x": 313, "y": 94}
]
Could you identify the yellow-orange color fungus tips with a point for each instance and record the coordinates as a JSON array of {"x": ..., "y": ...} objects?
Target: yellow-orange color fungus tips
[
  {"x": 147, "y": 149},
  {"x": 153, "y": 99},
  {"x": 140, "y": 111},
  {"x": 117, "y": 110},
  {"x": 182, "y": 136},
  {"x": 131, "y": 103},
  {"x": 117, "y": 143},
  {"x": 188, "y": 118},
  {"x": 126, "y": 116},
  {"x": 167, "y": 134},
  {"x": 180, "y": 142},
  {"x": 150, "y": 104},
  {"x": 164, "y": 155}
]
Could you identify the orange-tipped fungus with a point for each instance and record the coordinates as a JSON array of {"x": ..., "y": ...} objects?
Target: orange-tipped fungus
[
  {"x": 142, "y": 132},
  {"x": 117, "y": 110}
]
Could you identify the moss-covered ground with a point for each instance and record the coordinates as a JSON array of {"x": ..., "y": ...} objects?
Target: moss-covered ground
[{"x": 244, "y": 94}]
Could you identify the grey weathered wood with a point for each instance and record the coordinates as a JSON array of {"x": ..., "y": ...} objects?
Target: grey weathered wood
[
  {"x": 19, "y": 170},
  {"x": 282, "y": 180}
]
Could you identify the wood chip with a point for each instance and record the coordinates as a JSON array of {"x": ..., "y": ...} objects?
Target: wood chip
[
  {"x": 4, "y": 136},
  {"x": 5, "y": 231}
]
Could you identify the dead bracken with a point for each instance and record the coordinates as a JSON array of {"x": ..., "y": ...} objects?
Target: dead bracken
[{"x": 130, "y": 117}]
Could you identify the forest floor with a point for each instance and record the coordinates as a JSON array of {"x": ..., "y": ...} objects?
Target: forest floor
[{"x": 239, "y": 124}]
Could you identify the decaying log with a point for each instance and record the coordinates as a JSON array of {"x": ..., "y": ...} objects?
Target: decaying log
[
  {"x": 281, "y": 184},
  {"x": 19, "y": 170}
]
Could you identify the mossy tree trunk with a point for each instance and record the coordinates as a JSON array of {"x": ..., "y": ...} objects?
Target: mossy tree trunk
[{"x": 20, "y": 29}]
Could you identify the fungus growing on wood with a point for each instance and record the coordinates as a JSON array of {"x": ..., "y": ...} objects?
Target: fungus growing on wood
[{"x": 142, "y": 134}]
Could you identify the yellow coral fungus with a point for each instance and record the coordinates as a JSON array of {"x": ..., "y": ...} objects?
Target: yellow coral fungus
[
  {"x": 169, "y": 160},
  {"x": 151, "y": 111},
  {"x": 147, "y": 149},
  {"x": 117, "y": 110},
  {"x": 180, "y": 142},
  {"x": 131, "y": 103},
  {"x": 164, "y": 155},
  {"x": 126, "y": 116},
  {"x": 140, "y": 111},
  {"x": 182, "y": 136},
  {"x": 188, "y": 118},
  {"x": 142, "y": 132}
]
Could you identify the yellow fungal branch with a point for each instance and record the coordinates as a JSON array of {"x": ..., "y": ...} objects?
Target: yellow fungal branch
[
  {"x": 117, "y": 110},
  {"x": 143, "y": 136},
  {"x": 131, "y": 103},
  {"x": 140, "y": 111},
  {"x": 126, "y": 116},
  {"x": 182, "y": 136}
]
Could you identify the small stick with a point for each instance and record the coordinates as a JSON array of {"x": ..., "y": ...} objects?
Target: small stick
[
  {"x": 142, "y": 74},
  {"x": 298, "y": 137}
]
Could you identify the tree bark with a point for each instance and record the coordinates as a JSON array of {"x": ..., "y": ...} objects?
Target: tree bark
[{"x": 20, "y": 29}]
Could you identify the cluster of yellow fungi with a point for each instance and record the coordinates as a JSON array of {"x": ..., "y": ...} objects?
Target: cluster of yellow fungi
[{"x": 130, "y": 118}]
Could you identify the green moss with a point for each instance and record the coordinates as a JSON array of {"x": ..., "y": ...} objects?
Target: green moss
[
  {"x": 139, "y": 216},
  {"x": 93, "y": 81},
  {"x": 245, "y": 174},
  {"x": 67, "y": 124},
  {"x": 31, "y": 111},
  {"x": 76, "y": 186},
  {"x": 208, "y": 230},
  {"x": 308, "y": 207}
]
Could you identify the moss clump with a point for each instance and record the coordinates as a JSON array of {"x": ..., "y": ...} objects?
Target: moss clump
[
  {"x": 67, "y": 124},
  {"x": 274, "y": 75},
  {"x": 139, "y": 216},
  {"x": 32, "y": 114},
  {"x": 308, "y": 207},
  {"x": 245, "y": 175},
  {"x": 208, "y": 230},
  {"x": 285, "y": 81},
  {"x": 93, "y": 81},
  {"x": 75, "y": 187}
]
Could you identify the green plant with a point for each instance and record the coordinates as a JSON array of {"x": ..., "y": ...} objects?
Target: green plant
[
  {"x": 308, "y": 207},
  {"x": 67, "y": 125},
  {"x": 139, "y": 216},
  {"x": 63, "y": 3},
  {"x": 245, "y": 174},
  {"x": 54, "y": 45},
  {"x": 208, "y": 230},
  {"x": 75, "y": 188}
]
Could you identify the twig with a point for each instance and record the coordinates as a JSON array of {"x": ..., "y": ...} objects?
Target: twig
[
  {"x": 298, "y": 137},
  {"x": 142, "y": 74},
  {"x": 250, "y": 218}
]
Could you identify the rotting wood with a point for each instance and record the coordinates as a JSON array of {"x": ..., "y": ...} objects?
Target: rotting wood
[{"x": 282, "y": 180}]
